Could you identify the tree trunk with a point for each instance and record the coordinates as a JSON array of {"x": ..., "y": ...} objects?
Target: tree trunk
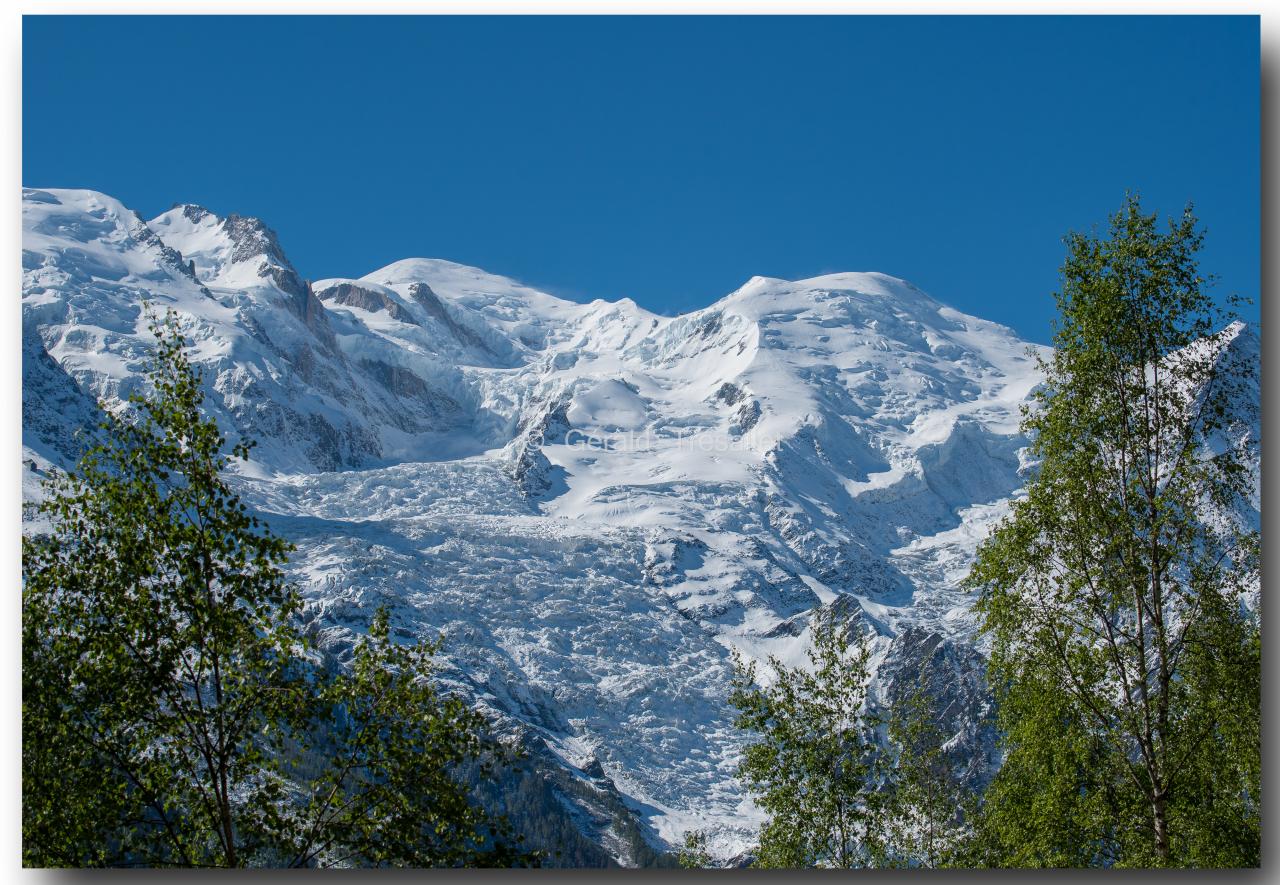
[{"x": 1160, "y": 824}]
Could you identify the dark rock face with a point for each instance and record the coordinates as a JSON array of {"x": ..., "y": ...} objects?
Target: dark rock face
[
  {"x": 194, "y": 214},
  {"x": 710, "y": 326},
  {"x": 399, "y": 381},
  {"x": 251, "y": 238},
  {"x": 952, "y": 674},
  {"x": 404, "y": 383},
  {"x": 571, "y": 813},
  {"x": 170, "y": 258},
  {"x": 530, "y": 468},
  {"x": 537, "y": 476},
  {"x": 730, "y": 394},
  {"x": 548, "y": 421},
  {"x": 308, "y": 308},
  {"x": 258, "y": 415},
  {"x": 430, "y": 302},
  {"x": 367, "y": 299},
  {"x": 285, "y": 279},
  {"x": 748, "y": 412},
  {"x": 51, "y": 403},
  {"x": 747, "y": 416},
  {"x": 253, "y": 241}
]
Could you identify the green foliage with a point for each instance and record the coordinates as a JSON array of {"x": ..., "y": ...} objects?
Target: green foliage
[
  {"x": 168, "y": 696},
  {"x": 694, "y": 854},
  {"x": 812, "y": 764},
  {"x": 1052, "y": 804},
  {"x": 533, "y": 798},
  {"x": 924, "y": 820},
  {"x": 390, "y": 795},
  {"x": 1122, "y": 652}
]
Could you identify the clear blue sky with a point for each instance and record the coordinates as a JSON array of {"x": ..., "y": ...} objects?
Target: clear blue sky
[{"x": 666, "y": 159}]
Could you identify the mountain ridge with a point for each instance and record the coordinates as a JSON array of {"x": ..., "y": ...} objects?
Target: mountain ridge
[{"x": 595, "y": 504}]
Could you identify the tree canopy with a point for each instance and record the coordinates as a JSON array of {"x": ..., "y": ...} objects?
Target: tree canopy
[
  {"x": 811, "y": 762},
  {"x": 173, "y": 714},
  {"x": 1124, "y": 655}
]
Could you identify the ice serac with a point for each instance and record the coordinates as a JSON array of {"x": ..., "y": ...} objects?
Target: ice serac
[{"x": 594, "y": 503}]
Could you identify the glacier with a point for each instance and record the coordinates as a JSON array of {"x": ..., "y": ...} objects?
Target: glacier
[{"x": 595, "y": 504}]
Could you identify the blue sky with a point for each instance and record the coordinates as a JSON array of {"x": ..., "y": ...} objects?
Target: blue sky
[{"x": 666, "y": 159}]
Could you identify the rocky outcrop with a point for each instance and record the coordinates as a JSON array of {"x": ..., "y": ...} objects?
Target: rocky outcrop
[
  {"x": 951, "y": 674},
  {"x": 422, "y": 294},
  {"x": 351, "y": 295}
]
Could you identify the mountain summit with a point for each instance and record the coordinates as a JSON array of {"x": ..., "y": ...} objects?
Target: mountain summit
[{"x": 594, "y": 503}]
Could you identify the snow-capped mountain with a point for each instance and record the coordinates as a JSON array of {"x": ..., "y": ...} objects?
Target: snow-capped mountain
[{"x": 595, "y": 503}]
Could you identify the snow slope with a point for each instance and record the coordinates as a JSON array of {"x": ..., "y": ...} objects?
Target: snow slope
[{"x": 596, "y": 504}]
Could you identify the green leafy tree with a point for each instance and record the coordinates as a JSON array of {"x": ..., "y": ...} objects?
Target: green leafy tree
[
  {"x": 812, "y": 764},
  {"x": 694, "y": 854},
  {"x": 925, "y": 801},
  {"x": 167, "y": 693},
  {"x": 1124, "y": 657},
  {"x": 388, "y": 794}
]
